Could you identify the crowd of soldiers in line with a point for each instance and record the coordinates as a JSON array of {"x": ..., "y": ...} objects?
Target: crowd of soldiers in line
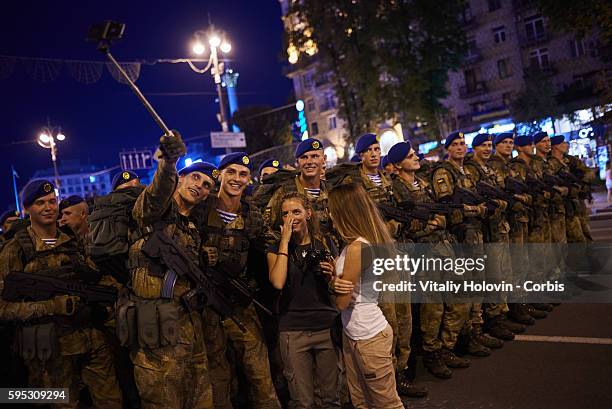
[{"x": 161, "y": 346}]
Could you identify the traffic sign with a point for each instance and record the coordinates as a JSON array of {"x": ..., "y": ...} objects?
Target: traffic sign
[
  {"x": 136, "y": 160},
  {"x": 227, "y": 140}
]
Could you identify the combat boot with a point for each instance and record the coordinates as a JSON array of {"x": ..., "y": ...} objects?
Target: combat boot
[
  {"x": 483, "y": 339},
  {"x": 518, "y": 313},
  {"x": 542, "y": 307},
  {"x": 435, "y": 365},
  {"x": 537, "y": 314},
  {"x": 407, "y": 388},
  {"x": 453, "y": 361},
  {"x": 495, "y": 328},
  {"x": 515, "y": 327}
]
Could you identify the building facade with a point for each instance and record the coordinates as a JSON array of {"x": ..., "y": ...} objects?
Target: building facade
[{"x": 510, "y": 41}]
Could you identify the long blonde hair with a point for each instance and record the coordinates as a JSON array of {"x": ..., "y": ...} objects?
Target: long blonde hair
[{"x": 354, "y": 215}]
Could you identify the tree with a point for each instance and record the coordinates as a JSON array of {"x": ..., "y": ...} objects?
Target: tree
[
  {"x": 388, "y": 58},
  {"x": 262, "y": 128},
  {"x": 580, "y": 16},
  {"x": 536, "y": 103}
]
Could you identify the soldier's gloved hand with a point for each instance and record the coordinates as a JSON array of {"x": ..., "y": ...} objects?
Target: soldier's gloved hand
[
  {"x": 456, "y": 216},
  {"x": 518, "y": 207},
  {"x": 563, "y": 190},
  {"x": 65, "y": 304},
  {"x": 394, "y": 227},
  {"x": 172, "y": 146},
  {"x": 211, "y": 254},
  {"x": 546, "y": 195},
  {"x": 502, "y": 205},
  {"x": 416, "y": 225}
]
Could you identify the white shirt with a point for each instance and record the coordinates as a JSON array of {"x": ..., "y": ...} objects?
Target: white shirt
[{"x": 362, "y": 319}]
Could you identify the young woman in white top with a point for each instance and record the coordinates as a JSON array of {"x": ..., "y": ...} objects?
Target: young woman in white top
[{"x": 367, "y": 336}]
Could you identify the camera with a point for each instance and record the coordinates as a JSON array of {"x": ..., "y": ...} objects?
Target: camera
[
  {"x": 312, "y": 258},
  {"x": 108, "y": 31}
]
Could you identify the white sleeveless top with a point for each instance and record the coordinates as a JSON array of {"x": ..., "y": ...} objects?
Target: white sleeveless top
[{"x": 362, "y": 319}]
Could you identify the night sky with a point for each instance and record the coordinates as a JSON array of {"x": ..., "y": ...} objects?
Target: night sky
[{"x": 101, "y": 119}]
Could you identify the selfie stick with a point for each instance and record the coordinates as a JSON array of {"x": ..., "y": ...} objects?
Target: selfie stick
[{"x": 104, "y": 47}]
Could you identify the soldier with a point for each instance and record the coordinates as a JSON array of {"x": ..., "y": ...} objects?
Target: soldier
[
  {"x": 268, "y": 167},
  {"x": 57, "y": 338},
  {"x": 310, "y": 159},
  {"x": 7, "y": 218},
  {"x": 440, "y": 322},
  {"x": 467, "y": 227},
  {"x": 170, "y": 362},
  {"x": 556, "y": 212},
  {"x": 559, "y": 166},
  {"x": 586, "y": 176},
  {"x": 538, "y": 226},
  {"x": 497, "y": 229},
  {"x": 73, "y": 214},
  {"x": 386, "y": 166},
  {"x": 231, "y": 228},
  {"x": 124, "y": 180},
  {"x": 518, "y": 218}
]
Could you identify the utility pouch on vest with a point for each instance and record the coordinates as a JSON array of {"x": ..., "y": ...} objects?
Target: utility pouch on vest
[
  {"x": 168, "y": 323},
  {"x": 47, "y": 345},
  {"x": 148, "y": 329},
  {"x": 127, "y": 331},
  {"x": 27, "y": 343}
]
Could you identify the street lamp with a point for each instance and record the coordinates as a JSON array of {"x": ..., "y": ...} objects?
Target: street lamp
[
  {"x": 216, "y": 41},
  {"x": 47, "y": 139}
]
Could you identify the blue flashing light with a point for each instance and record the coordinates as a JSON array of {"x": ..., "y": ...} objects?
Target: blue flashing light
[{"x": 92, "y": 179}]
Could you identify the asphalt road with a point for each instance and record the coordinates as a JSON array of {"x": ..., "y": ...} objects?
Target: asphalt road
[{"x": 562, "y": 362}]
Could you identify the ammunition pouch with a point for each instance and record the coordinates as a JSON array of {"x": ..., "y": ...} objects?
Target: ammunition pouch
[
  {"x": 147, "y": 323},
  {"x": 38, "y": 342}
]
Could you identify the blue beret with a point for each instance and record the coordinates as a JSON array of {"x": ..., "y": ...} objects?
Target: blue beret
[
  {"x": 365, "y": 141},
  {"x": 70, "y": 201},
  {"x": 236, "y": 158},
  {"x": 480, "y": 139},
  {"x": 557, "y": 140},
  {"x": 123, "y": 177},
  {"x": 7, "y": 214},
  {"x": 522, "y": 140},
  {"x": 355, "y": 158},
  {"x": 270, "y": 163},
  {"x": 398, "y": 152},
  {"x": 451, "y": 137},
  {"x": 503, "y": 136},
  {"x": 307, "y": 145},
  {"x": 384, "y": 161},
  {"x": 538, "y": 136},
  {"x": 206, "y": 168},
  {"x": 36, "y": 189}
]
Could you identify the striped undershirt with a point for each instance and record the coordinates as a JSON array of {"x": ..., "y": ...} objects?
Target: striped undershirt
[
  {"x": 313, "y": 192},
  {"x": 375, "y": 179},
  {"x": 227, "y": 217},
  {"x": 415, "y": 183},
  {"x": 50, "y": 242}
]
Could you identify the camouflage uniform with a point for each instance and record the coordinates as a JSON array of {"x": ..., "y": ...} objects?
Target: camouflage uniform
[
  {"x": 497, "y": 235},
  {"x": 586, "y": 175},
  {"x": 231, "y": 242},
  {"x": 169, "y": 374},
  {"x": 556, "y": 223},
  {"x": 84, "y": 356},
  {"x": 573, "y": 227},
  {"x": 440, "y": 322},
  {"x": 444, "y": 179}
]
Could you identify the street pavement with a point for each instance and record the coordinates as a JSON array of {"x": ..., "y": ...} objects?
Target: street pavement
[{"x": 562, "y": 362}]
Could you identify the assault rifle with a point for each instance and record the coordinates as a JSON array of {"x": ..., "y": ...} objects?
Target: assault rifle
[
  {"x": 219, "y": 291},
  {"x": 406, "y": 211},
  {"x": 493, "y": 192},
  {"x": 585, "y": 187},
  {"x": 516, "y": 187},
  {"x": 19, "y": 286},
  {"x": 539, "y": 185},
  {"x": 465, "y": 196}
]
